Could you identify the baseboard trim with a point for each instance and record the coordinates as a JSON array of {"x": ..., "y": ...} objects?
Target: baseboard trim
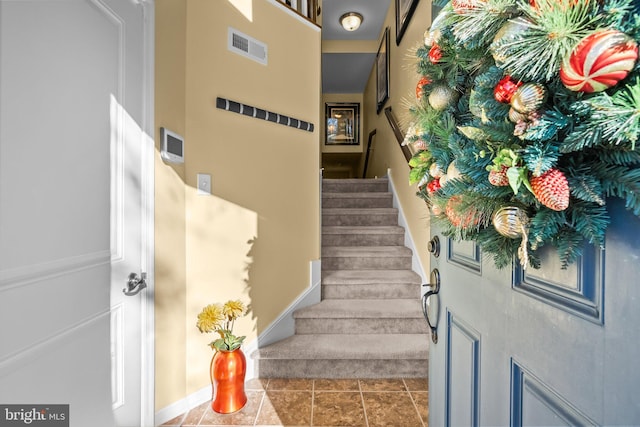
[
  {"x": 282, "y": 327},
  {"x": 416, "y": 265},
  {"x": 183, "y": 405}
]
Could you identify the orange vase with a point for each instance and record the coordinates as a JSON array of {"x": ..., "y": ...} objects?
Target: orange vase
[{"x": 228, "y": 369}]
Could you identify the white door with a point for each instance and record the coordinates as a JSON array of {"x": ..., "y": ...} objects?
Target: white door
[
  {"x": 131, "y": 219},
  {"x": 75, "y": 191}
]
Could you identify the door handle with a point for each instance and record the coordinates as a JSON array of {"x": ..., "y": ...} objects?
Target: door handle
[
  {"x": 135, "y": 284},
  {"x": 434, "y": 286}
]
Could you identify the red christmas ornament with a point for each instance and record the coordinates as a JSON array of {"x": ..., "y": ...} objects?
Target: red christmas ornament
[
  {"x": 433, "y": 185},
  {"x": 435, "y": 54},
  {"x": 457, "y": 218},
  {"x": 420, "y": 86},
  {"x": 599, "y": 61},
  {"x": 551, "y": 189},
  {"x": 505, "y": 89}
]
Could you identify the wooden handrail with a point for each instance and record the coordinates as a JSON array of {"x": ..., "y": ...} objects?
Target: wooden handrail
[
  {"x": 308, "y": 9},
  {"x": 397, "y": 132},
  {"x": 369, "y": 149}
]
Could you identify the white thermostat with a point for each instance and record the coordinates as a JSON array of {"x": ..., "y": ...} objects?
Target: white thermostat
[{"x": 172, "y": 149}]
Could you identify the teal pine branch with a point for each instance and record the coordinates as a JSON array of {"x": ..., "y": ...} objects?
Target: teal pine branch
[
  {"x": 570, "y": 245},
  {"x": 555, "y": 27},
  {"x": 540, "y": 157},
  {"x": 545, "y": 224},
  {"x": 590, "y": 220}
]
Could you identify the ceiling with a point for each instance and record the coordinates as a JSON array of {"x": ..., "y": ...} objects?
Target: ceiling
[{"x": 348, "y": 72}]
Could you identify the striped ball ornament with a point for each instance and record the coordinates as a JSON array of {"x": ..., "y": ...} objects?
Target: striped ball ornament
[{"x": 599, "y": 61}]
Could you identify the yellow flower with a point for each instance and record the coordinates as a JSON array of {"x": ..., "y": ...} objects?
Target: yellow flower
[
  {"x": 233, "y": 309},
  {"x": 210, "y": 318},
  {"x": 220, "y": 318}
]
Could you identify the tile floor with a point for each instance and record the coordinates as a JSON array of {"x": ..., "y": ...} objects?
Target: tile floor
[{"x": 321, "y": 402}]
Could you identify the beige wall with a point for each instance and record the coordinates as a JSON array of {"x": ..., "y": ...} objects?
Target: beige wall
[
  {"x": 387, "y": 153},
  {"x": 254, "y": 238},
  {"x": 170, "y": 227}
]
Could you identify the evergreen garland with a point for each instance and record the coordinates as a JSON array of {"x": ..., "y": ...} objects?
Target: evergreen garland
[{"x": 508, "y": 114}]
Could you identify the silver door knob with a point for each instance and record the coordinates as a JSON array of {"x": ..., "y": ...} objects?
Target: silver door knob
[{"x": 135, "y": 284}]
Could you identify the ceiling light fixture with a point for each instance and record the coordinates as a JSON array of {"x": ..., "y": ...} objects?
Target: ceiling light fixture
[{"x": 351, "y": 21}]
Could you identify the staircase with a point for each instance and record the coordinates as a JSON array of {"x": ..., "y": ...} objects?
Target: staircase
[{"x": 369, "y": 323}]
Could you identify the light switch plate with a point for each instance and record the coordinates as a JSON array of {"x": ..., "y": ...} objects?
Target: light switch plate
[{"x": 204, "y": 183}]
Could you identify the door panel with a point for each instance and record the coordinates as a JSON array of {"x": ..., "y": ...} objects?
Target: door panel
[
  {"x": 622, "y": 319},
  {"x": 63, "y": 66},
  {"x": 466, "y": 255},
  {"x": 545, "y": 347},
  {"x": 56, "y": 74},
  {"x": 462, "y": 372},
  {"x": 577, "y": 289},
  {"x": 533, "y": 403}
]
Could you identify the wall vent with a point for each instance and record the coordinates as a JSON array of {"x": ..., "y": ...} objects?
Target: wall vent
[{"x": 247, "y": 46}]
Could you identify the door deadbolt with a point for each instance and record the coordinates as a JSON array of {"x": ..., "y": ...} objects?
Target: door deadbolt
[{"x": 434, "y": 246}]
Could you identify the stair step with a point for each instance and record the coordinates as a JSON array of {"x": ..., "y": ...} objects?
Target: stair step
[
  {"x": 369, "y": 323},
  {"x": 337, "y": 235},
  {"x": 362, "y": 309},
  {"x": 370, "y": 284},
  {"x": 391, "y": 316},
  {"x": 366, "y": 257},
  {"x": 359, "y": 217},
  {"x": 357, "y": 200},
  {"x": 345, "y": 356},
  {"x": 355, "y": 185},
  {"x": 370, "y": 277}
]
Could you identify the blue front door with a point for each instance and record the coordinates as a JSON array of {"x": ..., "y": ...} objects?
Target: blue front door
[{"x": 546, "y": 347}]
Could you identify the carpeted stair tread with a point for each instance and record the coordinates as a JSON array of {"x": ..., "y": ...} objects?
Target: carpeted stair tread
[
  {"x": 371, "y": 291},
  {"x": 354, "y": 229},
  {"x": 368, "y": 251},
  {"x": 370, "y": 277},
  {"x": 358, "y": 235},
  {"x": 371, "y": 284},
  {"x": 354, "y": 185},
  {"x": 362, "y": 309},
  {"x": 369, "y": 322},
  {"x": 359, "y": 216},
  {"x": 357, "y": 200},
  {"x": 358, "y": 195},
  {"x": 366, "y": 257},
  {"x": 347, "y": 346},
  {"x": 360, "y": 211}
]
